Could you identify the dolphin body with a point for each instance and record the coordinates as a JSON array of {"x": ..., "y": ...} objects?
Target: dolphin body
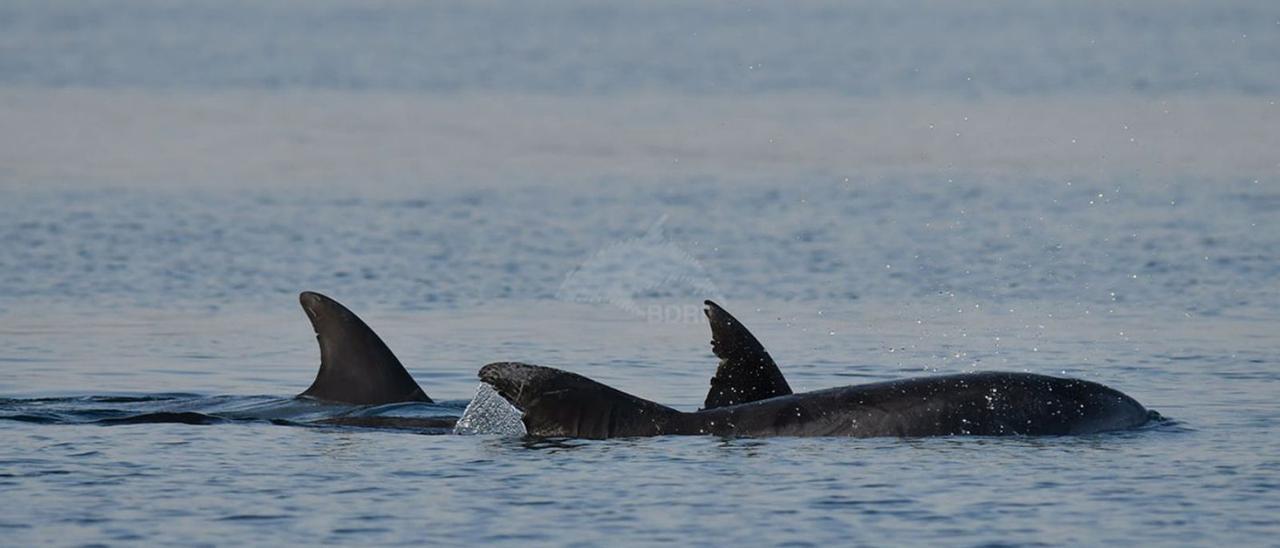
[{"x": 749, "y": 397}]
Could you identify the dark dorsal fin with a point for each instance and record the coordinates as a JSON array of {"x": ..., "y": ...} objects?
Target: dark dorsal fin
[
  {"x": 355, "y": 365},
  {"x": 746, "y": 372}
]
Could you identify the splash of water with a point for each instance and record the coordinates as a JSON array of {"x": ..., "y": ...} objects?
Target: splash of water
[{"x": 490, "y": 413}]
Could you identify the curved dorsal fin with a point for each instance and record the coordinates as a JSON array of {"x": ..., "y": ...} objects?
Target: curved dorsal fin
[
  {"x": 746, "y": 372},
  {"x": 355, "y": 365}
]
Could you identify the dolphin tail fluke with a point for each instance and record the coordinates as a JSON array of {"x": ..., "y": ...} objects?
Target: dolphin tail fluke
[
  {"x": 746, "y": 372},
  {"x": 355, "y": 365},
  {"x": 558, "y": 403}
]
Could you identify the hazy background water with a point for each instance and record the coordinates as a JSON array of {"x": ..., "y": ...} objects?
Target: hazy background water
[{"x": 879, "y": 190}]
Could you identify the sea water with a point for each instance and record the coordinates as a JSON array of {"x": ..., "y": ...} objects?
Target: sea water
[{"x": 877, "y": 191}]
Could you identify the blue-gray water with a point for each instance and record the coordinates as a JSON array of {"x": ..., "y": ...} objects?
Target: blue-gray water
[{"x": 150, "y": 336}]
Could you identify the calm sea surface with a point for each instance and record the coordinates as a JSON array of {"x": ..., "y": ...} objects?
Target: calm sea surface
[{"x": 151, "y": 340}]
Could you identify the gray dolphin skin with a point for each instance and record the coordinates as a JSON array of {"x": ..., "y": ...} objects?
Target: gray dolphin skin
[
  {"x": 558, "y": 403},
  {"x": 355, "y": 365}
]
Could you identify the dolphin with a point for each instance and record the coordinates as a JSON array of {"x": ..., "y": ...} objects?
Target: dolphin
[
  {"x": 750, "y": 398},
  {"x": 356, "y": 367}
]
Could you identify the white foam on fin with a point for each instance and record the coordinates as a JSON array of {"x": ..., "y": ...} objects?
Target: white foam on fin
[{"x": 491, "y": 414}]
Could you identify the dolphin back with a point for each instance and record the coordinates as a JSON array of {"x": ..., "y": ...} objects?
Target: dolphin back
[
  {"x": 966, "y": 404},
  {"x": 558, "y": 403}
]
